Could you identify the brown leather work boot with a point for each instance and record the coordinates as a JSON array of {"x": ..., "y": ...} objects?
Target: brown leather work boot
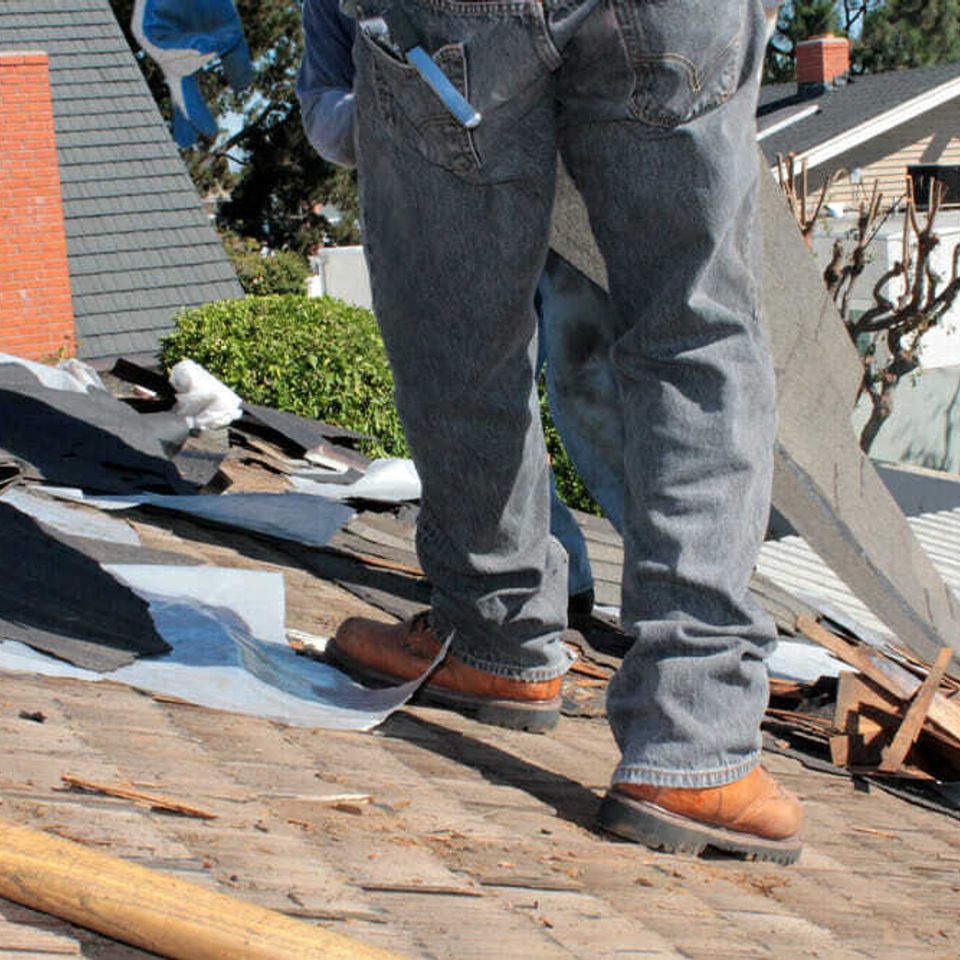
[
  {"x": 391, "y": 653},
  {"x": 753, "y": 816}
]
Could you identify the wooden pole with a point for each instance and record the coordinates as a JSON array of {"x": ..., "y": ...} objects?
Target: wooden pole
[{"x": 153, "y": 910}]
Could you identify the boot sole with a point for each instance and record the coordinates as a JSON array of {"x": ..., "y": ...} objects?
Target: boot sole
[
  {"x": 535, "y": 716},
  {"x": 660, "y": 829}
]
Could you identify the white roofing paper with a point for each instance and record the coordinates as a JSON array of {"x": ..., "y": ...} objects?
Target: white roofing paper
[{"x": 228, "y": 651}]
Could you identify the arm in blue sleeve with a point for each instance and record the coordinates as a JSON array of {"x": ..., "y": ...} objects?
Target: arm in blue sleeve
[{"x": 325, "y": 83}]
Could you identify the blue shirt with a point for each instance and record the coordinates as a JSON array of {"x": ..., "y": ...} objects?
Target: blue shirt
[{"x": 325, "y": 82}]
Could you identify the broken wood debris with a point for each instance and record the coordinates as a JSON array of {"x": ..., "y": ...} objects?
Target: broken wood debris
[
  {"x": 306, "y": 913},
  {"x": 893, "y": 755},
  {"x": 336, "y": 799},
  {"x": 893, "y": 716},
  {"x": 437, "y": 889},
  {"x": 530, "y": 883},
  {"x": 589, "y": 670},
  {"x": 153, "y": 801}
]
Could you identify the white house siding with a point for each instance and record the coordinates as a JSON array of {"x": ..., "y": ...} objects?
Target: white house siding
[{"x": 933, "y": 137}]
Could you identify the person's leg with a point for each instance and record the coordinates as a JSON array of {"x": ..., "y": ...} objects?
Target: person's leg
[
  {"x": 563, "y": 526},
  {"x": 661, "y": 146},
  {"x": 455, "y": 226},
  {"x": 578, "y": 331}
]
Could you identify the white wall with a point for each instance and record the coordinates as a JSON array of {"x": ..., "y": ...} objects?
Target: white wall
[{"x": 341, "y": 272}]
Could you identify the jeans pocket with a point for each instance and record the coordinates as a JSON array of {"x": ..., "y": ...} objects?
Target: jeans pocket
[
  {"x": 685, "y": 55},
  {"x": 412, "y": 112}
]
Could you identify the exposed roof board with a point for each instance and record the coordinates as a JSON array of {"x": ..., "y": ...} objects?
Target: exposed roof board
[
  {"x": 843, "y": 108},
  {"x": 139, "y": 243}
]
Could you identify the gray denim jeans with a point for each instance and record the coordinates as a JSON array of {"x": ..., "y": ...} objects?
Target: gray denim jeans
[{"x": 651, "y": 104}]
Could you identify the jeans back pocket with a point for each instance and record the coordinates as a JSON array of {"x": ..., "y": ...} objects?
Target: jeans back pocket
[{"x": 685, "y": 55}]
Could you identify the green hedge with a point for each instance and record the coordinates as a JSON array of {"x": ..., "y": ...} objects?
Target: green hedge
[
  {"x": 279, "y": 272},
  {"x": 318, "y": 358}
]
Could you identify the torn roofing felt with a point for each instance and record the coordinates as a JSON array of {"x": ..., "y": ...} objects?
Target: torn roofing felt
[
  {"x": 88, "y": 440},
  {"x": 304, "y": 432},
  {"x": 198, "y": 463},
  {"x": 60, "y": 601},
  {"x": 285, "y": 516},
  {"x": 304, "y": 435},
  {"x": 228, "y": 650}
]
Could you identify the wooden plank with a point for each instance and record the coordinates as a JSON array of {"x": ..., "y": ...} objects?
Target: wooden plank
[
  {"x": 893, "y": 756},
  {"x": 857, "y": 745}
]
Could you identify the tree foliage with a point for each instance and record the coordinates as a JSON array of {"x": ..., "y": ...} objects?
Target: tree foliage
[
  {"x": 796, "y": 22},
  {"x": 884, "y": 34},
  {"x": 263, "y": 273},
  {"x": 276, "y": 182},
  {"x": 316, "y": 357},
  {"x": 910, "y": 33}
]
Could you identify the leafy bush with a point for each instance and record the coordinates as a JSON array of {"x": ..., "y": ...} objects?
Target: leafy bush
[
  {"x": 572, "y": 489},
  {"x": 260, "y": 275},
  {"x": 319, "y": 358}
]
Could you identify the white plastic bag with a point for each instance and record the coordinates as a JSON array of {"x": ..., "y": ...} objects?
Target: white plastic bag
[{"x": 202, "y": 400}]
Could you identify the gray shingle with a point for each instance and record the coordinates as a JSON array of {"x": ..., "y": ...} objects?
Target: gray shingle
[
  {"x": 842, "y": 108},
  {"x": 139, "y": 243}
]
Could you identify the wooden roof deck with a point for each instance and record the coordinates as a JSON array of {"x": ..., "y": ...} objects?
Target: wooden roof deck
[{"x": 494, "y": 827}]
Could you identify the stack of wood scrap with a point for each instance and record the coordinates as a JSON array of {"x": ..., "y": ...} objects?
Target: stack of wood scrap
[{"x": 895, "y": 715}]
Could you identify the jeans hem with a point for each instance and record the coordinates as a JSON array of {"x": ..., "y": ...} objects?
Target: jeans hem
[
  {"x": 651, "y": 776},
  {"x": 515, "y": 671}
]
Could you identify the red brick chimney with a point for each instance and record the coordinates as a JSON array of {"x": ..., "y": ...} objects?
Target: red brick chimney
[
  {"x": 36, "y": 314},
  {"x": 822, "y": 62}
]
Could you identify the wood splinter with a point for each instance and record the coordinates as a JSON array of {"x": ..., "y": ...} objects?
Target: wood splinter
[{"x": 138, "y": 796}]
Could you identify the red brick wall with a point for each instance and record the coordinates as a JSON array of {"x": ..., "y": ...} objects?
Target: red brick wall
[
  {"x": 823, "y": 59},
  {"x": 36, "y": 315}
]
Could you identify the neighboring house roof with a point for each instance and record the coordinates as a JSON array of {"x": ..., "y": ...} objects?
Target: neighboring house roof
[
  {"x": 825, "y": 126},
  {"x": 139, "y": 244}
]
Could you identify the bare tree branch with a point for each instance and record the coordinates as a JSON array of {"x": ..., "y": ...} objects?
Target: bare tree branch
[{"x": 896, "y": 322}]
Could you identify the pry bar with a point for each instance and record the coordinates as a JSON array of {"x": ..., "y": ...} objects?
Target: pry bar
[{"x": 404, "y": 35}]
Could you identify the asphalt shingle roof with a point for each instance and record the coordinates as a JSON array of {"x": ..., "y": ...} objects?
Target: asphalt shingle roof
[
  {"x": 139, "y": 243},
  {"x": 842, "y": 108}
]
